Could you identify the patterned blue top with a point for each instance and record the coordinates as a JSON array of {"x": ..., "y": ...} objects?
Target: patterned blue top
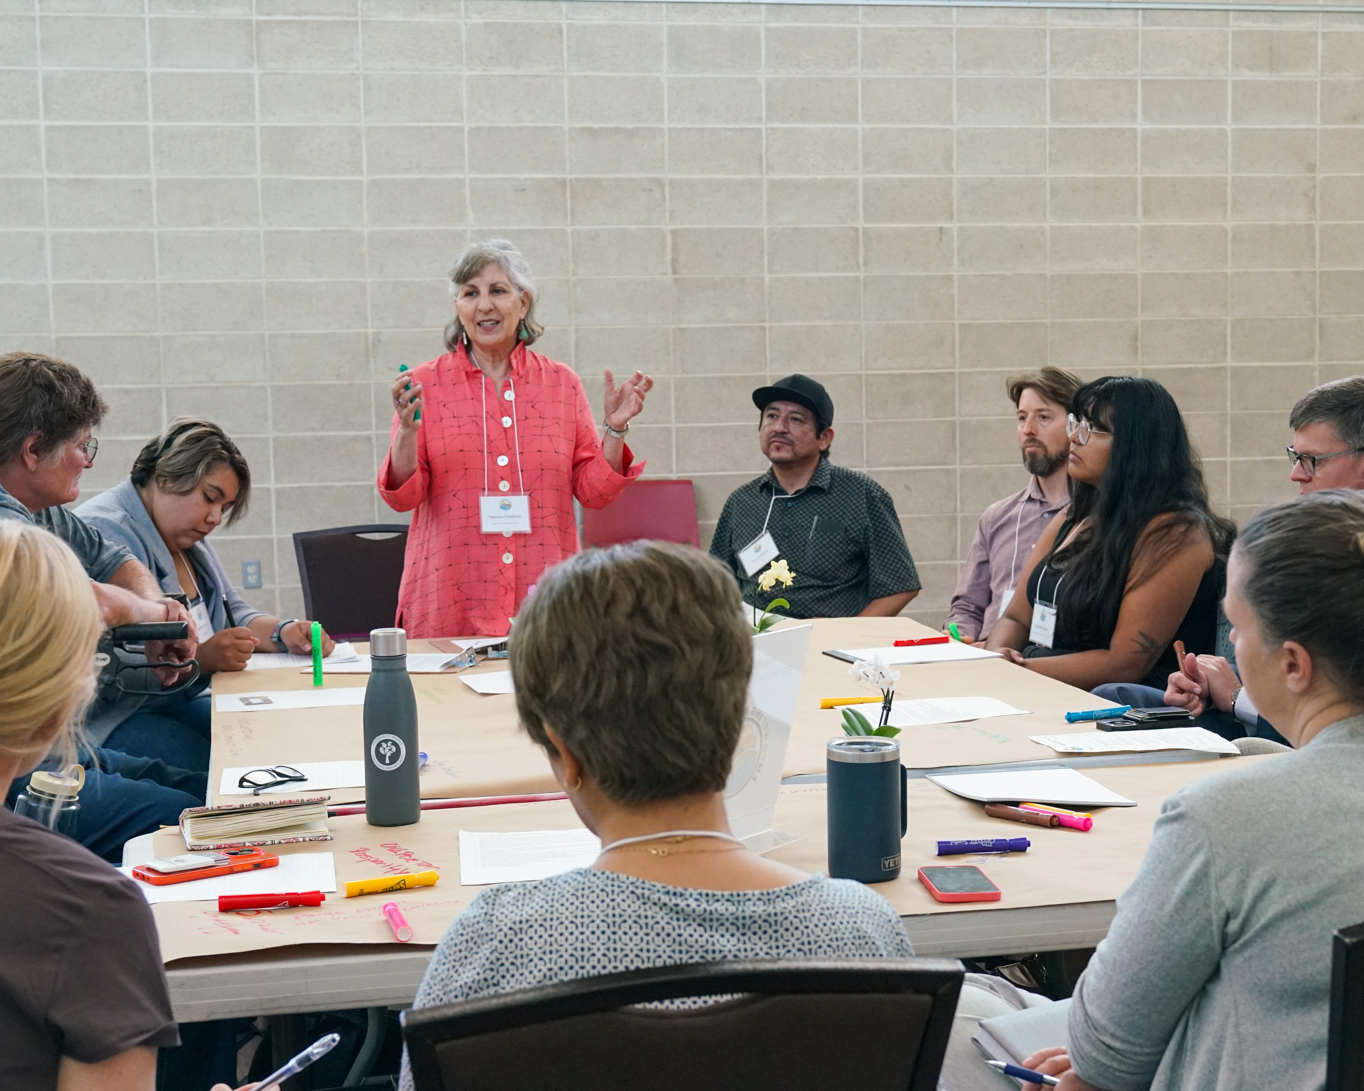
[{"x": 586, "y": 922}]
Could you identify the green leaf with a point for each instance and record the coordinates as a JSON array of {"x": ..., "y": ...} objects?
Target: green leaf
[
  {"x": 764, "y": 624},
  {"x": 888, "y": 731},
  {"x": 854, "y": 723},
  {"x": 777, "y": 602}
]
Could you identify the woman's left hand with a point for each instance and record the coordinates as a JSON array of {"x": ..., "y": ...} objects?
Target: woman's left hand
[
  {"x": 625, "y": 401},
  {"x": 298, "y": 638},
  {"x": 1013, "y": 655}
]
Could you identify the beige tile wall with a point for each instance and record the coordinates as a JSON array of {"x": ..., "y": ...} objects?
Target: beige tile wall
[{"x": 244, "y": 209}]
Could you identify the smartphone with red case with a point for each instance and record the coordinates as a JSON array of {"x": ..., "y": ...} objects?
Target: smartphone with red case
[
  {"x": 183, "y": 869},
  {"x": 959, "y": 883}
]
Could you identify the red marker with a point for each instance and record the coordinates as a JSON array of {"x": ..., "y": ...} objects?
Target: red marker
[
  {"x": 921, "y": 642},
  {"x": 227, "y": 903}
]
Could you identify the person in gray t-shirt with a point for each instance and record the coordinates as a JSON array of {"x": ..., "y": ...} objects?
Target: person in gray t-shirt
[
  {"x": 48, "y": 410},
  {"x": 1216, "y": 971}
]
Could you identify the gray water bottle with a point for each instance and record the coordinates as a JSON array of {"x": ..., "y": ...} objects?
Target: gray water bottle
[{"x": 392, "y": 787}]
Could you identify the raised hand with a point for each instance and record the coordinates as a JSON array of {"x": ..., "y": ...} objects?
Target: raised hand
[
  {"x": 407, "y": 402},
  {"x": 1188, "y": 688},
  {"x": 624, "y": 402}
]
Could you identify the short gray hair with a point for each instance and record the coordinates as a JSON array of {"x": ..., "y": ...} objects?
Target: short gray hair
[
  {"x": 471, "y": 261},
  {"x": 638, "y": 657},
  {"x": 1339, "y": 404},
  {"x": 1305, "y": 580},
  {"x": 185, "y": 453}
]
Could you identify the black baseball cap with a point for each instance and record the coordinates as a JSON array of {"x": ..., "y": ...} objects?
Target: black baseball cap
[{"x": 800, "y": 389}]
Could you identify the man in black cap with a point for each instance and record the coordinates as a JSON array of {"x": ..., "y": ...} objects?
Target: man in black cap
[{"x": 836, "y": 529}]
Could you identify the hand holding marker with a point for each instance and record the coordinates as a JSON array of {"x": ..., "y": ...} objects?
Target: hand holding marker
[{"x": 418, "y": 414}]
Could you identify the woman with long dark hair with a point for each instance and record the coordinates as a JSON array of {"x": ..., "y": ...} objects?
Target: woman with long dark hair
[{"x": 1135, "y": 562}]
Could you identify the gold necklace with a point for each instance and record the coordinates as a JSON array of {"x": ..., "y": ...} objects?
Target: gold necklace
[{"x": 665, "y": 850}]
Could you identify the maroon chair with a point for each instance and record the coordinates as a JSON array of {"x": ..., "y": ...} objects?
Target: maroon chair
[{"x": 661, "y": 510}]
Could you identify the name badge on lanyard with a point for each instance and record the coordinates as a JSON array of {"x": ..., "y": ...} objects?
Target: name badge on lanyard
[
  {"x": 1005, "y": 597},
  {"x": 758, "y": 552},
  {"x": 505, "y": 514},
  {"x": 1043, "y": 630},
  {"x": 203, "y": 625}
]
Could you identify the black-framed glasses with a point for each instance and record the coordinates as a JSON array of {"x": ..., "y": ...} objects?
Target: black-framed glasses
[
  {"x": 90, "y": 448},
  {"x": 1080, "y": 429},
  {"x": 260, "y": 780},
  {"x": 1309, "y": 462}
]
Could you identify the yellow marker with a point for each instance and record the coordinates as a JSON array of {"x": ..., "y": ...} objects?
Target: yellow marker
[
  {"x": 834, "y": 702},
  {"x": 391, "y": 882}
]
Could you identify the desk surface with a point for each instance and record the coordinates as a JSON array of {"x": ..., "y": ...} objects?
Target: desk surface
[
  {"x": 476, "y": 747},
  {"x": 1058, "y": 895}
]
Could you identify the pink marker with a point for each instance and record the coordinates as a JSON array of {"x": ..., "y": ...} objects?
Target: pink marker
[
  {"x": 1075, "y": 820},
  {"x": 402, "y": 931}
]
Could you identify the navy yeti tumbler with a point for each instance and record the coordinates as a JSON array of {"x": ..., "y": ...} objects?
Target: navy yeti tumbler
[{"x": 868, "y": 808}]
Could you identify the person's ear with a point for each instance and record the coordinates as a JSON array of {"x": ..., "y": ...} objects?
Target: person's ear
[
  {"x": 826, "y": 438},
  {"x": 564, "y": 761},
  {"x": 1298, "y": 669},
  {"x": 27, "y": 454}
]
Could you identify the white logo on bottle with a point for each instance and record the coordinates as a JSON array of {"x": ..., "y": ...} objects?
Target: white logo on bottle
[{"x": 387, "y": 752}]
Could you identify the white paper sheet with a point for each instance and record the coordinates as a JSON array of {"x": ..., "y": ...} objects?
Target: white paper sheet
[
  {"x": 948, "y": 710},
  {"x": 264, "y": 661},
  {"x": 417, "y": 663},
  {"x": 1116, "y": 742},
  {"x": 1054, "y": 784},
  {"x": 322, "y": 775},
  {"x": 950, "y": 652},
  {"x": 489, "y": 682},
  {"x": 299, "y": 871},
  {"x": 272, "y": 700},
  {"x": 524, "y": 857}
]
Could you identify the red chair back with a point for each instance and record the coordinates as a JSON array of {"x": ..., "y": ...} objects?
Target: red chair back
[{"x": 661, "y": 510}]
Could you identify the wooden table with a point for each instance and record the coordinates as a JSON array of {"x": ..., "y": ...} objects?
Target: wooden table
[
  {"x": 477, "y": 747},
  {"x": 1059, "y": 895}
]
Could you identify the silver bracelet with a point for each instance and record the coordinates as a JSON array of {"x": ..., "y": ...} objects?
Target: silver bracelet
[{"x": 619, "y": 433}]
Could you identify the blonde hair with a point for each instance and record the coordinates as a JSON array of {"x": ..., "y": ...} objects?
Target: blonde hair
[{"x": 49, "y": 626}]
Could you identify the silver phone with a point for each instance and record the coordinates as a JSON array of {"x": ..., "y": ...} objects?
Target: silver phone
[{"x": 188, "y": 861}]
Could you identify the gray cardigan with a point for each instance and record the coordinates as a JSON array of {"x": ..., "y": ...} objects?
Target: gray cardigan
[
  {"x": 1216, "y": 971},
  {"x": 123, "y": 519}
]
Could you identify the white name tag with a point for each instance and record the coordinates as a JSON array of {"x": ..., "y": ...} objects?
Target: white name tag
[
  {"x": 1043, "y": 630},
  {"x": 504, "y": 514},
  {"x": 758, "y": 552},
  {"x": 1005, "y": 597},
  {"x": 203, "y": 627}
]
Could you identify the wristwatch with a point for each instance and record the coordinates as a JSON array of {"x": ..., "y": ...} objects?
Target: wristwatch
[
  {"x": 1234, "y": 695},
  {"x": 279, "y": 628},
  {"x": 619, "y": 433}
]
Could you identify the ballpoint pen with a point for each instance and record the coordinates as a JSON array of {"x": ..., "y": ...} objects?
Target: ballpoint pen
[
  {"x": 317, "y": 1050},
  {"x": 1025, "y": 1074}
]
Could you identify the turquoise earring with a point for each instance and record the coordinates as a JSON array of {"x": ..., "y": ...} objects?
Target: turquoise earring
[{"x": 523, "y": 331}]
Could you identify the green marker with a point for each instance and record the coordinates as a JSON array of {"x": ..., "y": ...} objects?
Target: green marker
[
  {"x": 418, "y": 414},
  {"x": 952, "y": 628},
  {"x": 317, "y": 653}
]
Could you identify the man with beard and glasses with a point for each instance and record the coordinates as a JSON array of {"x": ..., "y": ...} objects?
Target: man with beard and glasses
[
  {"x": 835, "y": 528},
  {"x": 1010, "y": 528}
]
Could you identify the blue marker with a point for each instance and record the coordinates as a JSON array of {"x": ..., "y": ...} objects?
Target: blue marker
[
  {"x": 421, "y": 759},
  {"x": 1027, "y": 1075},
  {"x": 1097, "y": 714},
  {"x": 985, "y": 844}
]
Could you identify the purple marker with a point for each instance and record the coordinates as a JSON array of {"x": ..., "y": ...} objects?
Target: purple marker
[{"x": 985, "y": 844}]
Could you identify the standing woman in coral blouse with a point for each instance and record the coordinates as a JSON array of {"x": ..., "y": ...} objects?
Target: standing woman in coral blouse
[{"x": 491, "y": 443}]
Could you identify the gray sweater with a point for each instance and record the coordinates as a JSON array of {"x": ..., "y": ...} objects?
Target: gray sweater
[{"x": 1216, "y": 971}]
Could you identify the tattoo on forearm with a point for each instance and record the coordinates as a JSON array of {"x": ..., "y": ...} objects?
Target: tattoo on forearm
[{"x": 1146, "y": 644}]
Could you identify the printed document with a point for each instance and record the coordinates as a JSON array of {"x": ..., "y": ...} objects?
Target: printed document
[
  {"x": 1117, "y": 742},
  {"x": 948, "y": 710},
  {"x": 524, "y": 857}
]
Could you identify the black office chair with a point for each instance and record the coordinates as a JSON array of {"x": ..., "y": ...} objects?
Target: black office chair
[
  {"x": 876, "y": 1025},
  {"x": 350, "y": 577},
  {"x": 1345, "y": 1043}
]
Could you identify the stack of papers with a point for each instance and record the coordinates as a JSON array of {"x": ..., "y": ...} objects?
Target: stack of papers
[
  {"x": 948, "y": 710},
  {"x": 525, "y": 857},
  {"x": 1117, "y": 742},
  {"x": 1054, "y": 784},
  {"x": 344, "y": 652},
  {"x": 489, "y": 682},
  {"x": 297, "y": 871},
  {"x": 950, "y": 652}
]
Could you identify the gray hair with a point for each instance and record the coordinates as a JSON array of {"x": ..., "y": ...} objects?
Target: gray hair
[
  {"x": 185, "y": 453},
  {"x": 1305, "y": 580},
  {"x": 637, "y": 656},
  {"x": 471, "y": 261},
  {"x": 1339, "y": 404}
]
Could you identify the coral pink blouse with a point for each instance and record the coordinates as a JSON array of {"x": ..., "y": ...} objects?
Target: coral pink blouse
[{"x": 458, "y": 581}]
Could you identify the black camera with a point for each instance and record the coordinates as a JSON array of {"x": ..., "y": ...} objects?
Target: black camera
[{"x": 123, "y": 666}]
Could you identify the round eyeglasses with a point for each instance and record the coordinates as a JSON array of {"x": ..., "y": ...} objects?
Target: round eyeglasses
[
  {"x": 90, "y": 448},
  {"x": 260, "y": 780},
  {"x": 1080, "y": 429},
  {"x": 1309, "y": 462}
]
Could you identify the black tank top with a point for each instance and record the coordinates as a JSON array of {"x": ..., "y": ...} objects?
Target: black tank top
[{"x": 1198, "y": 629}]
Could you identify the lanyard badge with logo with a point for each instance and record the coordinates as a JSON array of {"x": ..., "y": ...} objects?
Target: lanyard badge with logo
[
  {"x": 763, "y": 548},
  {"x": 505, "y": 514},
  {"x": 1043, "y": 631}
]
